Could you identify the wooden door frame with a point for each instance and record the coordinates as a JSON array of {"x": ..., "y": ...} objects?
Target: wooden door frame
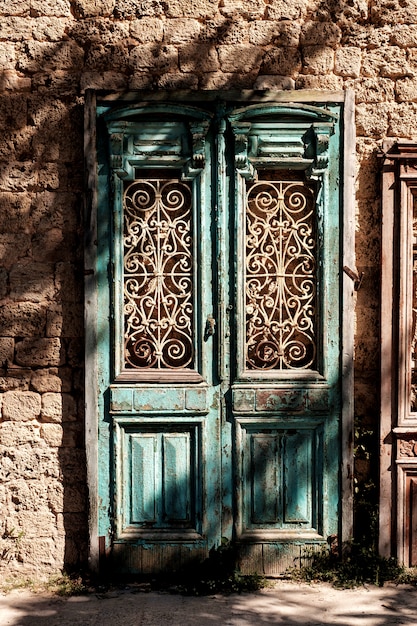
[{"x": 348, "y": 158}]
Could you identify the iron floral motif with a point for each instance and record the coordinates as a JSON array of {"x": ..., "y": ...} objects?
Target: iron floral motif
[
  {"x": 280, "y": 277},
  {"x": 158, "y": 274}
]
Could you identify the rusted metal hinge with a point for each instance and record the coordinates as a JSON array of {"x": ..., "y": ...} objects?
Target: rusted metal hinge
[{"x": 357, "y": 278}]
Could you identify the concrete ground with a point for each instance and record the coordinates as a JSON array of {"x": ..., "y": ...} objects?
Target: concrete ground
[{"x": 289, "y": 603}]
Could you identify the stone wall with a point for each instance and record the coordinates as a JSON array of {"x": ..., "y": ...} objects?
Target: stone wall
[{"x": 50, "y": 52}]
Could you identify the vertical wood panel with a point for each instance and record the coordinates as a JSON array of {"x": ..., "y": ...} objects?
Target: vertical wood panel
[
  {"x": 143, "y": 491},
  {"x": 297, "y": 478},
  {"x": 265, "y": 476},
  {"x": 176, "y": 477}
]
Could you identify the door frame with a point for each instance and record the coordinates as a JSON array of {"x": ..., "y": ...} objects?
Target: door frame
[{"x": 92, "y": 367}]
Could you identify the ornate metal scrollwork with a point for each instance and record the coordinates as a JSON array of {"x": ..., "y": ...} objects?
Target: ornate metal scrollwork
[
  {"x": 158, "y": 274},
  {"x": 280, "y": 276}
]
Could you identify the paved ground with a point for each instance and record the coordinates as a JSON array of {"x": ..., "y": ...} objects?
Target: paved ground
[{"x": 292, "y": 604}]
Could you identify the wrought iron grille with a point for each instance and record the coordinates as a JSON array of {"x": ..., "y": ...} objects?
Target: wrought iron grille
[
  {"x": 158, "y": 274},
  {"x": 280, "y": 276}
]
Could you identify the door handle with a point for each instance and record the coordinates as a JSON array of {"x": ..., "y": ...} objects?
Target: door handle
[{"x": 210, "y": 326}]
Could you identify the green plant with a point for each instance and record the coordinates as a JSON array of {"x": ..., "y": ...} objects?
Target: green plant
[
  {"x": 360, "y": 564},
  {"x": 10, "y": 543}
]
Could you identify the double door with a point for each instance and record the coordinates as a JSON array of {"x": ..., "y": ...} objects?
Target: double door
[{"x": 217, "y": 332}]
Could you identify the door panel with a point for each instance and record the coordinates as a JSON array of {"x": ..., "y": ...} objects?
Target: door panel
[{"x": 218, "y": 332}]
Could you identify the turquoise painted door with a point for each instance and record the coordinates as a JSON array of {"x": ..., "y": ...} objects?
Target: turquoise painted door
[{"x": 218, "y": 332}]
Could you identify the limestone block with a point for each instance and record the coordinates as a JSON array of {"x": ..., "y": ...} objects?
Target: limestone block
[
  {"x": 198, "y": 58},
  {"x": 248, "y": 9},
  {"x": 7, "y": 55},
  {"x": 141, "y": 80},
  {"x": 52, "y": 379},
  {"x": 274, "y": 82},
  {"x": 51, "y": 246},
  {"x": 406, "y": 90},
  {"x": 12, "y": 248},
  {"x": 15, "y": 29},
  {"x": 225, "y": 31},
  {"x": 153, "y": 57},
  {"x": 55, "y": 495},
  {"x": 220, "y": 80},
  {"x": 30, "y": 462},
  {"x": 35, "y": 56},
  {"x": 177, "y": 81},
  {"x": 32, "y": 282},
  {"x": 177, "y": 31},
  {"x": 50, "y": 28},
  {"x": 99, "y": 57},
  {"x": 21, "y": 406},
  {"x": 329, "y": 82},
  {"x": 22, "y": 319},
  {"x": 15, "y": 211},
  {"x": 54, "y": 209},
  {"x": 394, "y": 12},
  {"x": 13, "y": 434},
  {"x": 65, "y": 320},
  {"x": 97, "y": 30},
  {"x": 348, "y": 62},
  {"x": 21, "y": 176},
  {"x": 12, "y": 378},
  {"x": 58, "y": 407},
  {"x": 72, "y": 465},
  {"x": 73, "y": 436},
  {"x": 151, "y": 29},
  {"x": 75, "y": 499},
  {"x": 283, "y": 34},
  {"x": 403, "y": 121},
  {"x": 317, "y": 60},
  {"x": 372, "y": 119},
  {"x": 75, "y": 350},
  {"x": 404, "y": 35},
  {"x": 240, "y": 58},
  {"x": 10, "y": 81},
  {"x": 129, "y": 9},
  {"x": 3, "y": 282},
  {"x": 93, "y": 8},
  {"x": 49, "y": 175},
  {"x": 284, "y": 10},
  {"x": 39, "y": 352},
  {"x": 6, "y": 350},
  {"x": 282, "y": 61},
  {"x": 15, "y": 7},
  {"x": 69, "y": 282},
  {"x": 59, "y": 8},
  {"x": 372, "y": 90},
  {"x": 320, "y": 34},
  {"x": 52, "y": 434},
  {"x": 389, "y": 62},
  {"x": 196, "y": 9},
  {"x": 42, "y": 553},
  {"x": 112, "y": 81},
  {"x": 13, "y": 112}
]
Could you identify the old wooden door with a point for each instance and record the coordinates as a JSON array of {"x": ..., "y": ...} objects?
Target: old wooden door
[{"x": 218, "y": 331}]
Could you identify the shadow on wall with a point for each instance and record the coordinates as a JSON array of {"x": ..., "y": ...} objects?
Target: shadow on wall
[{"x": 41, "y": 238}]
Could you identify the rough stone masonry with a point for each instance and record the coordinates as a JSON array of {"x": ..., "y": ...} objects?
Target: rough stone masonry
[{"x": 51, "y": 51}]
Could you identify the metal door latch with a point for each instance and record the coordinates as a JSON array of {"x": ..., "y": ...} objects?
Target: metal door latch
[
  {"x": 210, "y": 326},
  {"x": 357, "y": 278}
]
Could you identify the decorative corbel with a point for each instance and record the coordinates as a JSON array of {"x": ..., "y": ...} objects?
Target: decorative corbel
[
  {"x": 243, "y": 165},
  {"x": 196, "y": 163},
  {"x": 116, "y": 154},
  {"x": 319, "y": 149}
]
